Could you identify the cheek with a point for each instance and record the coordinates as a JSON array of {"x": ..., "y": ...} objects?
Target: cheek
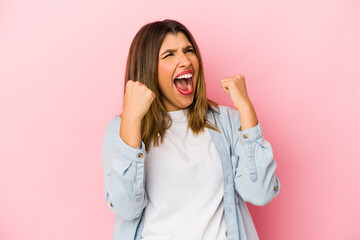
[
  {"x": 165, "y": 70},
  {"x": 195, "y": 64},
  {"x": 165, "y": 73},
  {"x": 164, "y": 77}
]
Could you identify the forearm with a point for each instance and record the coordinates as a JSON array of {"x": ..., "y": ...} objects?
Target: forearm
[
  {"x": 247, "y": 114},
  {"x": 130, "y": 131}
]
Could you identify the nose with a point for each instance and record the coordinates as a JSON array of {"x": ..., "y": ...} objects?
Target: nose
[{"x": 184, "y": 60}]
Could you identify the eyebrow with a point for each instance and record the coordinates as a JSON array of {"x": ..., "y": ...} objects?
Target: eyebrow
[{"x": 174, "y": 50}]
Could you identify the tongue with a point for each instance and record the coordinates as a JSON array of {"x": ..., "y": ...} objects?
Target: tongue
[{"x": 181, "y": 84}]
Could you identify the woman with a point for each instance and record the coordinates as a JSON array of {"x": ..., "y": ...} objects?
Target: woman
[{"x": 177, "y": 165}]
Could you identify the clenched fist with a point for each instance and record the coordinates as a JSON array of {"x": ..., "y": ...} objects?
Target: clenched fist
[
  {"x": 137, "y": 100},
  {"x": 236, "y": 87}
]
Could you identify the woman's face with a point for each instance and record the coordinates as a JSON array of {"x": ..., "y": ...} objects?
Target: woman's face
[{"x": 178, "y": 71}]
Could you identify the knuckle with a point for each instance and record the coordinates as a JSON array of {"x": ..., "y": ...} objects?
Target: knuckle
[{"x": 240, "y": 76}]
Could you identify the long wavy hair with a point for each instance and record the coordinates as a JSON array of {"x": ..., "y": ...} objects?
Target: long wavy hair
[{"x": 142, "y": 66}]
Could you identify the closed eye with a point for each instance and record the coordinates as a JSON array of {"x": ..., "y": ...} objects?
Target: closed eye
[
  {"x": 191, "y": 50},
  {"x": 170, "y": 54}
]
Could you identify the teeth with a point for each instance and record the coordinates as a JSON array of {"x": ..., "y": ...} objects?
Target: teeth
[{"x": 185, "y": 76}]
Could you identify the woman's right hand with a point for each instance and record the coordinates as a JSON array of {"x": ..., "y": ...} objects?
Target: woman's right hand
[{"x": 137, "y": 100}]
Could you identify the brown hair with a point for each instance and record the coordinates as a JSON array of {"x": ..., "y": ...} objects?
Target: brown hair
[{"x": 142, "y": 66}]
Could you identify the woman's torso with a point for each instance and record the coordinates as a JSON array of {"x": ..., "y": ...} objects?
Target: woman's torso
[{"x": 184, "y": 185}]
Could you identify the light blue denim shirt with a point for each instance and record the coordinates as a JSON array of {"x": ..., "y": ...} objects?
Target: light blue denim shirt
[{"x": 248, "y": 171}]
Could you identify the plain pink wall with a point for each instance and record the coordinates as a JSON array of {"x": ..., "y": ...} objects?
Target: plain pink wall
[{"x": 61, "y": 70}]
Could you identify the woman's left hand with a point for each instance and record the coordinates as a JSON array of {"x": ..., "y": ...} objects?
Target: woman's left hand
[{"x": 236, "y": 87}]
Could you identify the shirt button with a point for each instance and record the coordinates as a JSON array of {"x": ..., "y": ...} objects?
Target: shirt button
[
  {"x": 111, "y": 205},
  {"x": 140, "y": 155},
  {"x": 275, "y": 188},
  {"x": 245, "y": 136}
]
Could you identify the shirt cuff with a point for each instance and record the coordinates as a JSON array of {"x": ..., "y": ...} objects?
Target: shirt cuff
[
  {"x": 130, "y": 153},
  {"x": 124, "y": 156},
  {"x": 250, "y": 134}
]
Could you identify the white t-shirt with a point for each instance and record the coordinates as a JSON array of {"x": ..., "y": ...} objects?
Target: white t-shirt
[{"x": 184, "y": 185}]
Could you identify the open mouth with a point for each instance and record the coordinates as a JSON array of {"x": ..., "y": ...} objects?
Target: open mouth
[{"x": 184, "y": 84}]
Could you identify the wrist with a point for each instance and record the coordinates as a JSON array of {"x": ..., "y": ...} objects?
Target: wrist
[
  {"x": 131, "y": 117},
  {"x": 244, "y": 105}
]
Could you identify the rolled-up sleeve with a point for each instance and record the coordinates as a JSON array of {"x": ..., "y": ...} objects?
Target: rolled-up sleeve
[
  {"x": 124, "y": 174},
  {"x": 255, "y": 178}
]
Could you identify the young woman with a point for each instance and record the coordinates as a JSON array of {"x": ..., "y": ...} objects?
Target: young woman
[{"x": 177, "y": 165}]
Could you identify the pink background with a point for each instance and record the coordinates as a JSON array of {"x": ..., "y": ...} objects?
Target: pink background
[{"x": 62, "y": 66}]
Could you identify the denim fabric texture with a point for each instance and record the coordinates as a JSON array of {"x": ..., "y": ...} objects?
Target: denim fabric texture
[{"x": 247, "y": 164}]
